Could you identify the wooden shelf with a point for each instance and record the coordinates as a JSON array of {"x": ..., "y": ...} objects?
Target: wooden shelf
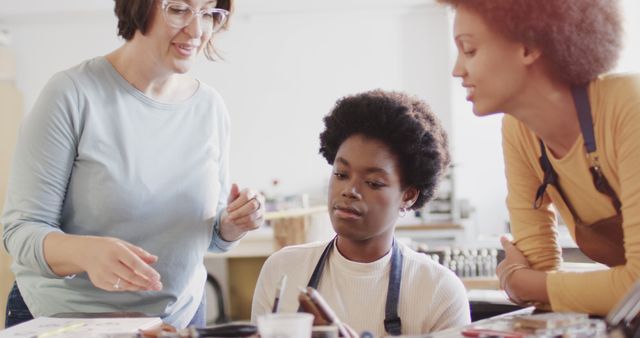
[
  {"x": 430, "y": 226},
  {"x": 293, "y": 213},
  {"x": 481, "y": 283}
]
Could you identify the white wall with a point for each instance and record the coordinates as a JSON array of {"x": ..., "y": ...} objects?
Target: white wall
[
  {"x": 47, "y": 43},
  {"x": 630, "y": 58},
  {"x": 283, "y": 71},
  {"x": 286, "y": 66}
]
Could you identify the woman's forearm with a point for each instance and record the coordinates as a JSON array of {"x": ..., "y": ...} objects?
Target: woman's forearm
[
  {"x": 111, "y": 263},
  {"x": 64, "y": 253},
  {"x": 530, "y": 285}
]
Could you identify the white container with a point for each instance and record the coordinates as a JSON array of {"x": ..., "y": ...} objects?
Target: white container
[{"x": 285, "y": 325}]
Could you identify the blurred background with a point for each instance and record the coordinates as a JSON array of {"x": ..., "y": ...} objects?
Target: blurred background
[{"x": 285, "y": 64}]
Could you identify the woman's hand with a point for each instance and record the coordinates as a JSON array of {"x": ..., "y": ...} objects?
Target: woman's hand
[
  {"x": 513, "y": 261},
  {"x": 115, "y": 265},
  {"x": 245, "y": 211},
  {"x": 511, "y": 255},
  {"x": 112, "y": 264},
  {"x": 521, "y": 283}
]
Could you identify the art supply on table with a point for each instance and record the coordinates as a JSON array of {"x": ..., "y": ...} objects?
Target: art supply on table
[
  {"x": 60, "y": 330},
  {"x": 219, "y": 331},
  {"x": 552, "y": 324},
  {"x": 50, "y": 327},
  {"x": 479, "y": 333},
  {"x": 279, "y": 292},
  {"x": 624, "y": 319},
  {"x": 551, "y": 320}
]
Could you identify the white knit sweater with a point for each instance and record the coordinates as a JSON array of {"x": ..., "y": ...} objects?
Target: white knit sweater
[{"x": 432, "y": 298}]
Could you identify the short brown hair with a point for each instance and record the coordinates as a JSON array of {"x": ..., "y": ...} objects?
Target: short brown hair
[
  {"x": 579, "y": 39},
  {"x": 135, "y": 15}
]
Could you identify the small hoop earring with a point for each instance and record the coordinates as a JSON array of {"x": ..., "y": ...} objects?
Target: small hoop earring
[{"x": 403, "y": 212}]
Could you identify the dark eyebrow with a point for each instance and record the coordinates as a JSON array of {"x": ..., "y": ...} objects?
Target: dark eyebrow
[
  {"x": 375, "y": 170},
  {"x": 342, "y": 161},
  {"x": 369, "y": 170}
]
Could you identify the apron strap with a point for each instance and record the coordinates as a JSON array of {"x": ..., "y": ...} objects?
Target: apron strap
[{"x": 392, "y": 322}]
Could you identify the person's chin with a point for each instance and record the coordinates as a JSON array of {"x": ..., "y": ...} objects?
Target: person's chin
[
  {"x": 339, "y": 223},
  {"x": 181, "y": 64},
  {"x": 344, "y": 228},
  {"x": 349, "y": 234},
  {"x": 182, "y": 67},
  {"x": 479, "y": 111}
]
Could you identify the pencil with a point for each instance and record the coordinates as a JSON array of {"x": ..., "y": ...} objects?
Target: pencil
[
  {"x": 62, "y": 329},
  {"x": 279, "y": 292}
]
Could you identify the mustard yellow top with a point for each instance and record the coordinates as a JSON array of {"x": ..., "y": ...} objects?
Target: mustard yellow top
[{"x": 615, "y": 105}]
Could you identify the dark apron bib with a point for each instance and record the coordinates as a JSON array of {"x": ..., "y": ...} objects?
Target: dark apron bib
[
  {"x": 392, "y": 323},
  {"x": 602, "y": 241}
]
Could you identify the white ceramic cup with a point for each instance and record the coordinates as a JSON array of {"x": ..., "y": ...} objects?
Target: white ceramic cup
[{"x": 285, "y": 325}]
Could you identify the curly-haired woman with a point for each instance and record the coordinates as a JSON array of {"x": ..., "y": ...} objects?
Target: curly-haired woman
[
  {"x": 571, "y": 139},
  {"x": 388, "y": 152}
]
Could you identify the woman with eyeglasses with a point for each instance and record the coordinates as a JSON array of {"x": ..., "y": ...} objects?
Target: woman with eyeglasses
[
  {"x": 571, "y": 140},
  {"x": 120, "y": 179}
]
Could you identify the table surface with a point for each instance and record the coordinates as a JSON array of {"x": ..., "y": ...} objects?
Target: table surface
[{"x": 456, "y": 332}]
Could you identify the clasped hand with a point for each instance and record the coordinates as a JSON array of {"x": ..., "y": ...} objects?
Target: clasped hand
[{"x": 513, "y": 261}]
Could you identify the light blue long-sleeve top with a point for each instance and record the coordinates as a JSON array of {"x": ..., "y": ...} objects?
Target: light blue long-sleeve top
[{"x": 98, "y": 157}]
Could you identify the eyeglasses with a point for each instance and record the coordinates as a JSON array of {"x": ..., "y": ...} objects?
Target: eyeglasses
[{"x": 179, "y": 15}]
